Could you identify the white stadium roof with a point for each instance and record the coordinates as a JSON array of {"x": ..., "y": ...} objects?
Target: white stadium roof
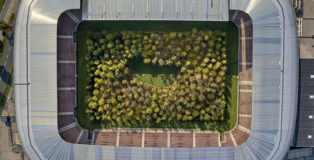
[{"x": 275, "y": 75}]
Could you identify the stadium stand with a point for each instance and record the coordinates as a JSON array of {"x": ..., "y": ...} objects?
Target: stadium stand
[{"x": 66, "y": 90}]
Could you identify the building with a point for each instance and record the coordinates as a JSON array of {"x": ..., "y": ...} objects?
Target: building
[{"x": 274, "y": 80}]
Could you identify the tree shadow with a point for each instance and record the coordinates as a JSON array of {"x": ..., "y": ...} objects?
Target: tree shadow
[
  {"x": 224, "y": 124},
  {"x": 139, "y": 67},
  {"x": 153, "y": 74},
  {"x": 4, "y": 74},
  {"x": 1, "y": 96},
  {"x": 228, "y": 92}
]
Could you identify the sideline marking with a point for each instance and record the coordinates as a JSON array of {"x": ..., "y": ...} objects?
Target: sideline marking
[
  {"x": 62, "y": 61},
  {"x": 143, "y": 138},
  {"x": 234, "y": 16},
  {"x": 246, "y": 130},
  {"x": 233, "y": 140},
  {"x": 245, "y": 83},
  {"x": 66, "y": 88},
  {"x": 246, "y": 38},
  {"x": 72, "y": 16},
  {"x": 65, "y": 36},
  {"x": 194, "y": 139},
  {"x": 79, "y": 137},
  {"x": 245, "y": 115},
  {"x": 118, "y": 137},
  {"x": 65, "y": 128},
  {"x": 65, "y": 113},
  {"x": 246, "y": 90},
  {"x": 168, "y": 139},
  {"x": 245, "y": 63},
  {"x": 219, "y": 143}
]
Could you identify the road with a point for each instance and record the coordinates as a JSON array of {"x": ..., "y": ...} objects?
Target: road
[
  {"x": 6, "y": 64},
  {"x": 5, "y": 9}
]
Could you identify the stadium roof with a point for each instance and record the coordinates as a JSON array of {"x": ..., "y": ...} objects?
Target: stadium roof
[
  {"x": 214, "y": 10},
  {"x": 275, "y": 79}
]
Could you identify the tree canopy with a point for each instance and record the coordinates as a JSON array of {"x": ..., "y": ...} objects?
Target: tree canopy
[{"x": 197, "y": 95}]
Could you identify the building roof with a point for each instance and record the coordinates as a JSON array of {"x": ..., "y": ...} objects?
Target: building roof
[
  {"x": 305, "y": 122},
  {"x": 306, "y": 48},
  {"x": 307, "y": 27},
  {"x": 301, "y": 154},
  {"x": 275, "y": 79},
  {"x": 308, "y": 7},
  {"x": 214, "y": 10}
]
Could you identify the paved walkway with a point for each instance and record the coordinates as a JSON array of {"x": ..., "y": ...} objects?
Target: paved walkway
[
  {"x": 8, "y": 134},
  {"x": 9, "y": 7}
]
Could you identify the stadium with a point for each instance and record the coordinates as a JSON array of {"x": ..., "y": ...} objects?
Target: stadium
[{"x": 45, "y": 79}]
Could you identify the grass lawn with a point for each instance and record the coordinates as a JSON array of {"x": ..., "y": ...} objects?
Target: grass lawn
[
  {"x": 5, "y": 93},
  {"x": 231, "y": 114},
  {"x": 2, "y": 2},
  {"x": 162, "y": 76},
  {"x": 154, "y": 75},
  {"x": 11, "y": 20}
]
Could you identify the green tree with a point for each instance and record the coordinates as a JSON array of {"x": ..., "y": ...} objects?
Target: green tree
[
  {"x": 161, "y": 62},
  {"x": 154, "y": 61},
  {"x": 147, "y": 60}
]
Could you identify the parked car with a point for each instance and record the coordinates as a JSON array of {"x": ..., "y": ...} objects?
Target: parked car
[{"x": 11, "y": 39}]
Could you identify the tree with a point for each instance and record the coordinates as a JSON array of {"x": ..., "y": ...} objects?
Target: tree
[
  {"x": 110, "y": 45},
  {"x": 96, "y": 92},
  {"x": 161, "y": 62},
  {"x": 172, "y": 35},
  {"x": 4, "y": 26},
  {"x": 169, "y": 62},
  {"x": 156, "y": 110},
  {"x": 147, "y": 60},
  {"x": 193, "y": 86},
  {"x": 206, "y": 117},
  {"x": 194, "y": 31},
  {"x": 101, "y": 102},
  {"x": 154, "y": 61},
  {"x": 196, "y": 49},
  {"x": 179, "y": 116},
  {"x": 133, "y": 81},
  {"x": 188, "y": 48},
  {"x": 183, "y": 69},
  {"x": 116, "y": 95},
  {"x": 178, "y": 64},
  {"x": 206, "y": 38},
  {"x": 116, "y": 83},
  {"x": 148, "y": 110}
]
